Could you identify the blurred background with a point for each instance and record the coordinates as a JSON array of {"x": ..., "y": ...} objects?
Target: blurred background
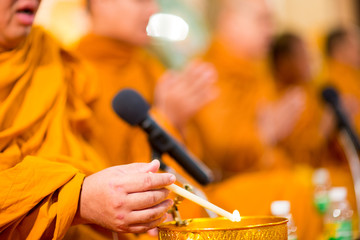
[{"x": 312, "y": 19}]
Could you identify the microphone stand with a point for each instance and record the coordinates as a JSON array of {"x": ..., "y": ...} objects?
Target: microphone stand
[
  {"x": 352, "y": 156},
  {"x": 156, "y": 155}
]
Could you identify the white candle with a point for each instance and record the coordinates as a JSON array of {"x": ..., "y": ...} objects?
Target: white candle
[{"x": 235, "y": 217}]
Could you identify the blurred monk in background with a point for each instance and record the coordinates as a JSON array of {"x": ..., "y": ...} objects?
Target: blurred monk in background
[
  {"x": 313, "y": 141},
  {"x": 292, "y": 67},
  {"x": 116, "y": 49},
  {"x": 343, "y": 69},
  {"x": 51, "y": 178},
  {"x": 239, "y": 131}
]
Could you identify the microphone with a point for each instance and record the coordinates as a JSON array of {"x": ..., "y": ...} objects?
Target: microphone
[
  {"x": 133, "y": 109},
  {"x": 331, "y": 96}
]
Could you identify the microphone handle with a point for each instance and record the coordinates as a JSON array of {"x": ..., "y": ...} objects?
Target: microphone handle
[
  {"x": 344, "y": 123},
  {"x": 193, "y": 166},
  {"x": 164, "y": 143}
]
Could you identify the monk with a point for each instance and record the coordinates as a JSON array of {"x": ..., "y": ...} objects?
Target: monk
[
  {"x": 313, "y": 141},
  {"x": 116, "y": 49},
  {"x": 292, "y": 66},
  {"x": 343, "y": 69},
  {"x": 105, "y": 60},
  {"x": 51, "y": 177},
  {"x": 240, "y": 130}
]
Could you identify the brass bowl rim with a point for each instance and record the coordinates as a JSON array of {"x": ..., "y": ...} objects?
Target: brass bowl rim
[{"x": 170, "y": 225}]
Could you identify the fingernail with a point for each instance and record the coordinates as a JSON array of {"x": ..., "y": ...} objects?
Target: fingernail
[
  {"x": 155, "y": 161},
  {"x": 172, "y": 178},
  {"x": 171, "y": 202}
]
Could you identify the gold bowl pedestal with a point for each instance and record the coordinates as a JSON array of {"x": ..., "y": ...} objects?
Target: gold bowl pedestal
[{"x": 249, "y": 228}]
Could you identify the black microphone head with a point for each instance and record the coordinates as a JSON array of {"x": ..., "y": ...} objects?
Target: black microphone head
[
  {"x": 330, "y": 95},
  {"x": 130, "y": 106}
]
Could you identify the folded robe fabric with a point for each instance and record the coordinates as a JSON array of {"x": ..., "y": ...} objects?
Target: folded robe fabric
[{"x": 44, "y": 152}]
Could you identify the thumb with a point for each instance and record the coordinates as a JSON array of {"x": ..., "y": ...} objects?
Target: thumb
[{"x": 141, "y": 167}]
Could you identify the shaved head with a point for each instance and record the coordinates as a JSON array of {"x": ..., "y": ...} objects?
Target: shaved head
[
  {"x": 244, "y": 25},
  {"x": 343, "y": 44},
  {"x": 217, "y": 7},
  {"x": 123, "y": 20}
]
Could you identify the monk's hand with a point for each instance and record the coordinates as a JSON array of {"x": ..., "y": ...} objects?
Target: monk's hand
[
  {"x": 154, "y": 232},
  {"x": 126, "y": 198},
  {"x": 180, "y": 95},
  {"x": 328, "y": 122},
  {"x": 288, "y": 111},
  {"x": 276, "y": 121}
]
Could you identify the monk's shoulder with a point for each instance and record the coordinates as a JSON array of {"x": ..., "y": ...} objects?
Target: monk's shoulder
[{"x": 150, "y": 62}]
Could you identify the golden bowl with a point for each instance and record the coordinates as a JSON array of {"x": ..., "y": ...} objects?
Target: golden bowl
[{"x": 269, "y": 228}]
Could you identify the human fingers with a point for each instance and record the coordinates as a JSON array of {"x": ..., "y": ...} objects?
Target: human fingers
[
  {"x": 173, "y": 83},
  {"x": 167, "y": 79},
  {"x": 198, "y": 74},
  {"x": 141, "y": 228},
  {"x": 153, "y": 232},
  {"x": 145, "y": 181},
  {"x": 141, "y": 200},
  {"x": 191, "y": 72},
  {"x": 195, "y": 76},
  {"x": 202, "y": 82},
  {"x": 291, "y": 105},
  {"x": 139, "y": 167},
  {"x": 149, "y": 214},
  {"x": 202, "y": 89},
  {"x": 201, "y": 98}
]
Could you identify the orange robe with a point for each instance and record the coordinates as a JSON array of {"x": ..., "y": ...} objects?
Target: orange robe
[
  {"x": 346, "y": 79},
  {"x": 308, "y": 145},
  {"x": 44, "y": 98},
  {"x": 120, "y": 65},
  {"x": 253, "y": 193},
  {"x": 230, "y": 141},
  {"x": 225, "y": 133},
  {"x": 142, "y": 151},
  {"x": 307, "y": 142}
]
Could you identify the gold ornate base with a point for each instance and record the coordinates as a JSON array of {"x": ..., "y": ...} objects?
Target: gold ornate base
[{"x": 249, "y": 228}]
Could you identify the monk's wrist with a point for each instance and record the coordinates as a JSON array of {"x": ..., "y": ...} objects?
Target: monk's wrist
[{"x": 78, "y": 219}]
